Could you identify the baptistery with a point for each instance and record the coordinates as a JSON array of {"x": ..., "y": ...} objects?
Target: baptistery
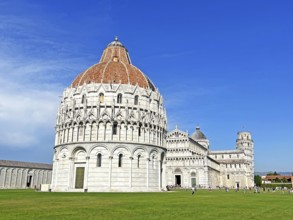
[{"x": 110, "y": 129}]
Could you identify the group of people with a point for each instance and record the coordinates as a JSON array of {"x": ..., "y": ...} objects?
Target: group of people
[{"x": 257, "y": 189}]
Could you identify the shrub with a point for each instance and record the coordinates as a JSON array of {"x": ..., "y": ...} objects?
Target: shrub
[{"x": 274, "y": 185}]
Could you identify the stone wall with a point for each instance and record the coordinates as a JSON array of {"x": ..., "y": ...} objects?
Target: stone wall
[{"x": 21, "y": 177}]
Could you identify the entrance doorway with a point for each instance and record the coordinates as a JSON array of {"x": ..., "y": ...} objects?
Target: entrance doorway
[
  {"x": 29, "y": 181},
  {"x": 79, "y": 177},
  {"x": 237, "y": 185},
  {"x": 193, "y": 181},
  {"x": 178, "y": 180}
]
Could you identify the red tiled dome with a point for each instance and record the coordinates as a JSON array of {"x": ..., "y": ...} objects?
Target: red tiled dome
[{"x": 114, "y": 67}]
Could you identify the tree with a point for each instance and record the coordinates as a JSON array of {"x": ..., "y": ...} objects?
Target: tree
[
  {"x": 284, "y": 180},
  {"x": 257, "y": 180},
  {"x": 272, "y": 174}
]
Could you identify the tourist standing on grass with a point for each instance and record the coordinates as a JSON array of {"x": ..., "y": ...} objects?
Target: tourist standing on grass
[{"x": 193, "y": 190}]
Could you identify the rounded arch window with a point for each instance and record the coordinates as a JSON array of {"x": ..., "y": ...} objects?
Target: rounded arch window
[
  {"x": 138, "y": 160},
  {"x": 83, "y": 99},
  {"x": 101, "y": 97},
  {"x": 114, "y": 128},
  {"x": 136, "y": 100},
  {"x": 119, "y": 98},
  {"x": 120, "y": 160},
  {"x": 154, "y": 161},
  {"x": 99, "y": 160}
]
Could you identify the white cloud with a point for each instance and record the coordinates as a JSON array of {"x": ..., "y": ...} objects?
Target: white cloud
[
  {"x": 29, "y": 85},
  {"x": 26, "y": 114}
]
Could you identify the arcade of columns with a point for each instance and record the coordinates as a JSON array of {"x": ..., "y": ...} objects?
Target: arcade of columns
[{"x": 12, "y": 177}]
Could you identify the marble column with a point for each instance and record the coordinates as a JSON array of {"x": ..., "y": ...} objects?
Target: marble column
[
  {"x": 148, "y": 167},
  {"x": 110, "y": 171},
  {"x": 86, "y": 173},
  {"x": 130, "y": 172}
]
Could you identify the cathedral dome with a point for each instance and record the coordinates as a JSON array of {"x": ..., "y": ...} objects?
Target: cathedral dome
[
  {"x": 114, "y": 68},
  {"x": 198, "y": 135}
]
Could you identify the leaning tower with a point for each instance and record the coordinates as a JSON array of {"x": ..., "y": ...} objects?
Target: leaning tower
[{"x": 246, "y": 144}]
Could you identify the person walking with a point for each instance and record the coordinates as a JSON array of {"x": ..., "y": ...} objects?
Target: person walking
[{"x": 193, "y": 190}]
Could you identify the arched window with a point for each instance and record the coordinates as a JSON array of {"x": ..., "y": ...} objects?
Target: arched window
[
  {"x": 119, "y": 98},
  {"x": 138, "y": 160},
  {"x": 80, "y": 130},
  {"x": 83, "y": 99},
  {"x": 114, "y": 129},
  {"x": 136, "y": 100},
  {"x": 139, "y": 130},
  {"x": 153, "y": 162},
  {"x": 101, "y": 97},
  {"x": 99, "y": 160},
  {"x": 120, "y": 160}
]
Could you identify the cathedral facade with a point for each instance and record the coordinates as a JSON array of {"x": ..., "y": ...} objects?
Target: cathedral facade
[
  {"x": 111, "y": 135},
  {"x": 190, "y": 162}
]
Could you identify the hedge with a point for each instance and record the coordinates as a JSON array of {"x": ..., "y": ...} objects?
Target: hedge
[{"x": 274, "y": 185}]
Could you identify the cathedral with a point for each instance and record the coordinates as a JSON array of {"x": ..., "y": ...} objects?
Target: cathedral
[{"x": 111, "y": 135}]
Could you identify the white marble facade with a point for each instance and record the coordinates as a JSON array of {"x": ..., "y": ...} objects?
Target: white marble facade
[
  {"x": 111, "y": 136},
  {"x": 22, "y": 175},
  {"x": 190, "y": 162},
  {"x": 110, "y": 133}
]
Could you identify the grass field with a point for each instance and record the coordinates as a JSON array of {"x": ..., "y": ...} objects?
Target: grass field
[{"x": 28, "y": 204}]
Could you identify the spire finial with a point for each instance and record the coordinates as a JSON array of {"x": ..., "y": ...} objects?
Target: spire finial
[{"x": 116, "y": 38}]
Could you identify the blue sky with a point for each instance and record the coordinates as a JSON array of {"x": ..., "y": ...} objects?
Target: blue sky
[{"x": 224, "y": 65}]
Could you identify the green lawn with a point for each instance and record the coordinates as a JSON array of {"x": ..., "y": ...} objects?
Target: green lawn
[{"x": 28, "y": 204}]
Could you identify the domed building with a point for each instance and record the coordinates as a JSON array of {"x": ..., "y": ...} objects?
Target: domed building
[
  {"x": 111, "y": 129},
  {"x": 111, "y": 136}
]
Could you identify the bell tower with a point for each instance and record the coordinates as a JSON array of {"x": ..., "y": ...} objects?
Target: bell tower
[{"x": 245, "y": 143}]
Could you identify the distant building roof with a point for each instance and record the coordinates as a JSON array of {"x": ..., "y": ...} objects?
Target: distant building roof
[
  {"x": 11, "y": 163},
  {"x": 273, "y": 177}
]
